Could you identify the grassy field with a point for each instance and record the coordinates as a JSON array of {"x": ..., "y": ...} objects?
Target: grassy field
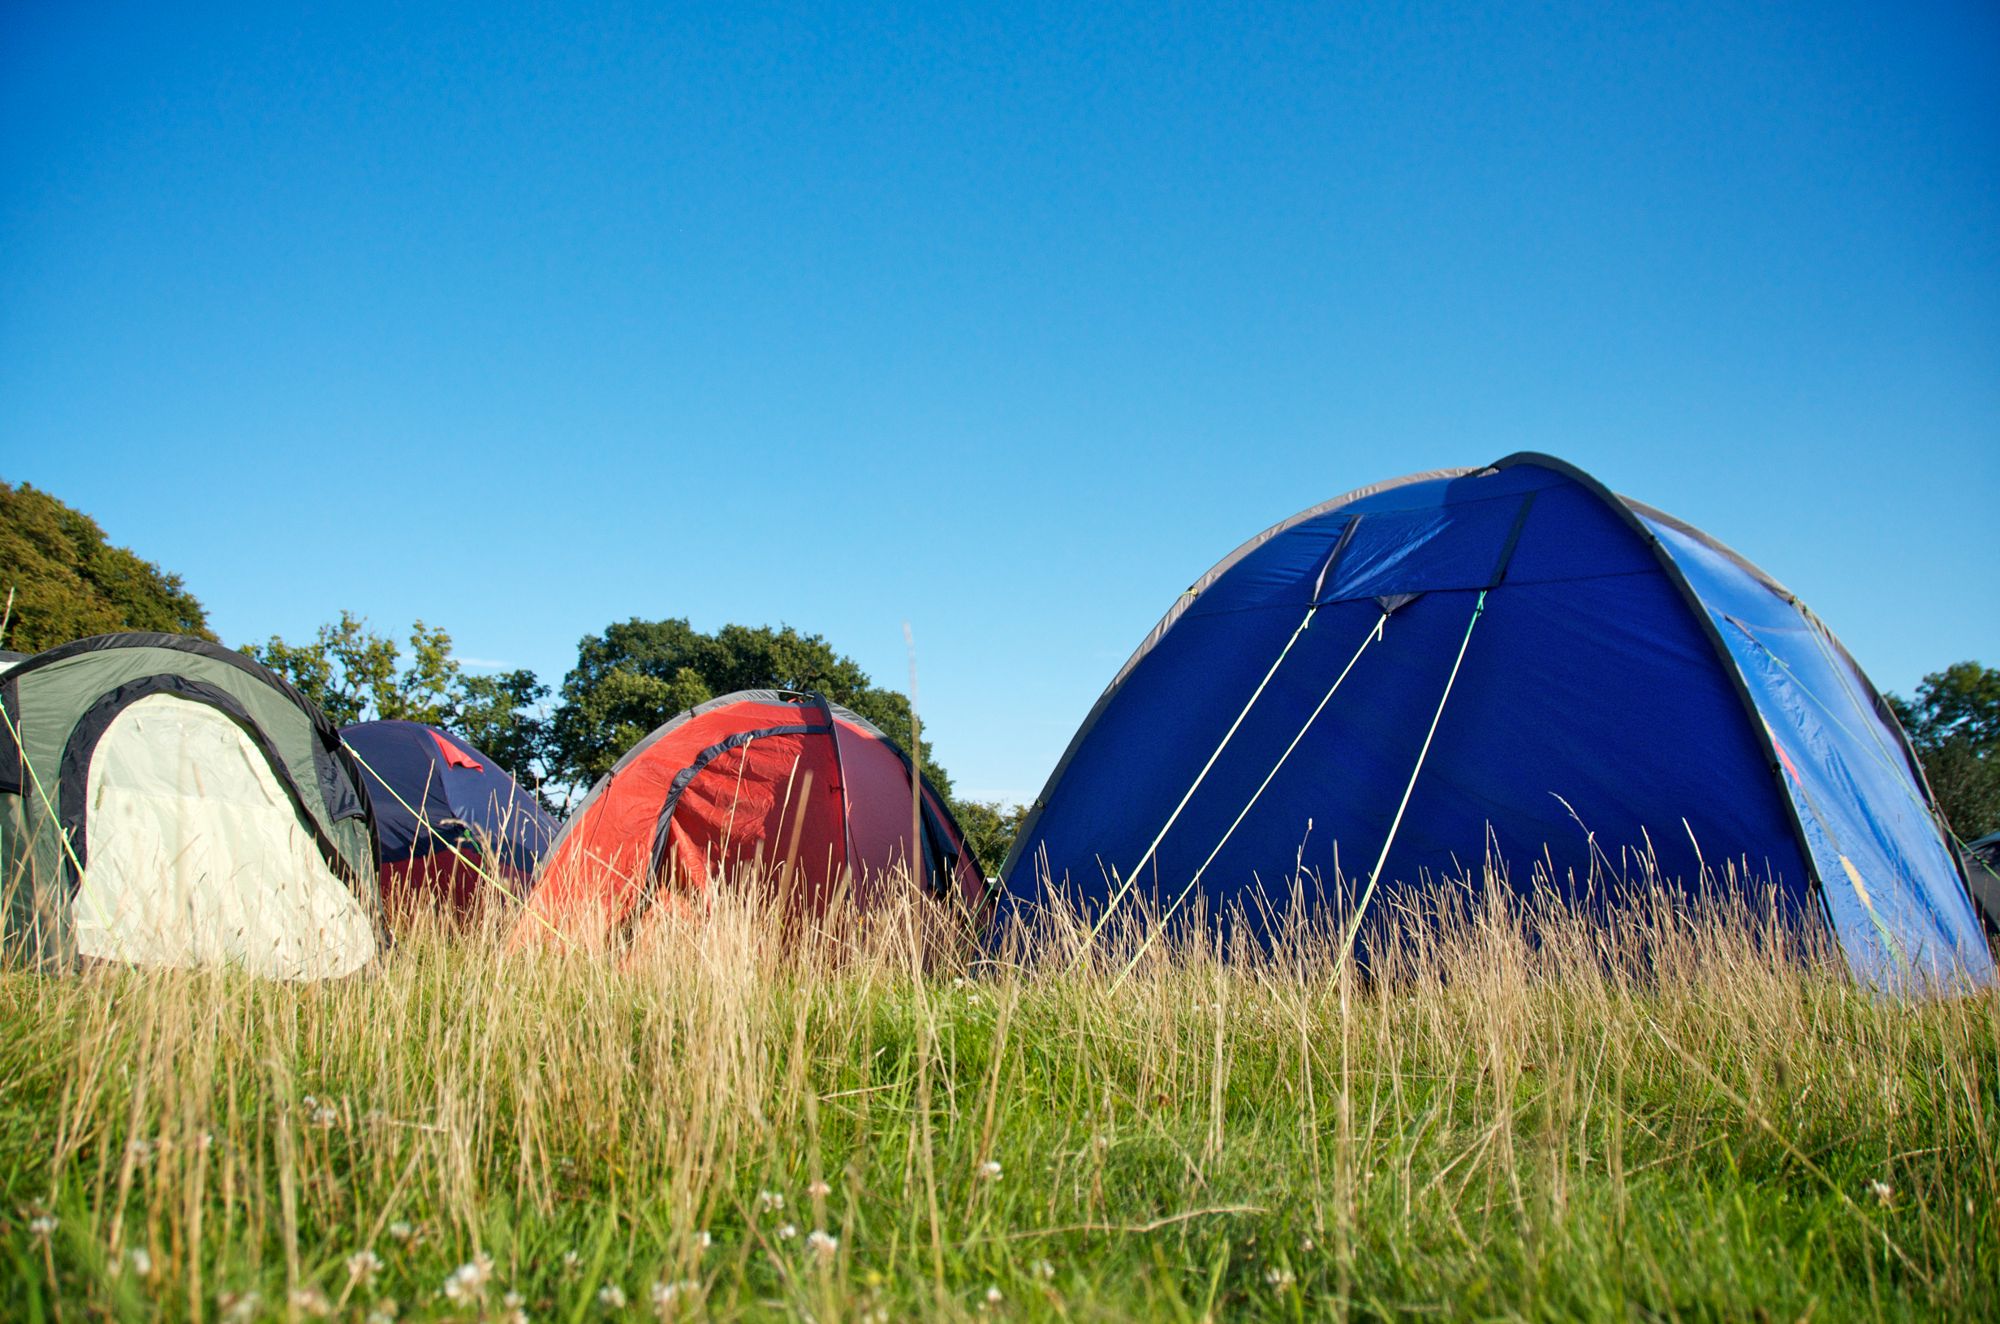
[{"x": 1677, "y": 1115}]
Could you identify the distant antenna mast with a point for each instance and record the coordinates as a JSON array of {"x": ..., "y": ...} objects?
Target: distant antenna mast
[{"x": 916, "y": 767}]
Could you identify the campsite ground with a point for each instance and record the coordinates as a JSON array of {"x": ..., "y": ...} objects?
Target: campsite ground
[{"x": 1667, "y": 1118}]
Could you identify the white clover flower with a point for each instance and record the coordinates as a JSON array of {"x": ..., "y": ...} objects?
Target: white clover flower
[
  {"x": 990, "y": 1170},
  {"x": 364, "y": 1265},
  {"x": 1278, "y": 1277},
  {"x": 611, "y": 1296},
  {"x": 571, "y": 1261},
  {"x": 468, "y": 1280},
  {"x": 1883, "y": 1192},
  {"x": 513, "y": 1301},
  {"x": 788, "y": 1231},
  {"x": 666, "y": 1296},
  {"x": 43, "y": 1226},
  {"x": 141, "y": 1261},
  {"x": 401, "y": 1231},
  {"x": 310, "y": 1301},
  {"x": 382, "y": 1312},
  {"x": 819, "y": 1190},
  {"x": 702, "y": 1240},
  {"x": 1042, "y": 1269},
  {"x": 324, "y": 1118},
  {"x": 236, "y": 1306},
  {"x": 770, "y": 1201},
  {"x": 993, "y": 1296},
  {"x": 822, "y": 1245}
]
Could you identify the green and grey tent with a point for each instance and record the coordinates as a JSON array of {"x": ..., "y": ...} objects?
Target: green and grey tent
[
  {"x": 165, "y": 801},
  {"x": 1982, "y": 877}
]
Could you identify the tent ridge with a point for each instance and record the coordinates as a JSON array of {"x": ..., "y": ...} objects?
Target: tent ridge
[{"x": 1610, "y": 654}]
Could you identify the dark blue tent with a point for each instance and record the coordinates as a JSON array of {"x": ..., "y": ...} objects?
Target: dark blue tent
[
  {"x": 441, "y": 804},
  {"x": 1507, "y": 664}
]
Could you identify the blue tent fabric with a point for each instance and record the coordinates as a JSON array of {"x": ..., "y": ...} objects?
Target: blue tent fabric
[
  {"x": 1875, "y": 835},
  {"x": 425, "y": 801},
  {"x": 1631, "y": 691}
]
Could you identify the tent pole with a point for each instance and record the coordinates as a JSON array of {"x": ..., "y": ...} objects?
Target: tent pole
[
  {"x": 1373, "y": 636},
  {"x": 1395, "y": 824},
  {"x": 1167, "y": 827}
]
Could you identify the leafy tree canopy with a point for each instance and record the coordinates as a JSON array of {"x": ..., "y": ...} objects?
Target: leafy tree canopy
[
  {"x": 69, "y": 583},
  {"x": 637, "y": 674},
  {"x": 989, "y": 827},
  {"x": 357, "y": 675},
  {"x": 1954, "y": 722}
]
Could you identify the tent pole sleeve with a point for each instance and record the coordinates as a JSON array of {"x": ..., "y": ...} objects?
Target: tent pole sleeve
[
  {"x": 424, "y": 820},
  {"x": 1373, "y": 636},
  {"x": 1395, "y": 824},
  {"x": 34, "y": 779}
]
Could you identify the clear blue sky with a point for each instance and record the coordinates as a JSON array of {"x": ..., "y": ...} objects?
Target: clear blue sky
[{"x": 1005, "y": 322}]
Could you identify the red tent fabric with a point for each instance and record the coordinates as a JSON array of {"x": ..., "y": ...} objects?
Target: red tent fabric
[
  {"x": 785, "y": 787},
  {"x": 455, "y": 883},
  {"x": 453, "y": 755}
]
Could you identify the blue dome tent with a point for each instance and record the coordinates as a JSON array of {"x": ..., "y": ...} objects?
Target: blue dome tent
[
  {"x": 1509, "y": 664},
  {"x": 450, "y": 819}
]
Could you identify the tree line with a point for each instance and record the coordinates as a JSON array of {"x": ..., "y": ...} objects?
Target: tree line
[
  {"x": 64, "y": 580},
  {"x": 67, "y": 581},
  {"x": 627, "y": 680}
]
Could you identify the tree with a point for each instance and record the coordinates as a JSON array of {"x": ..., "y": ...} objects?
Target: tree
[
  {"x": 637, "y": 674},
  {"x": 347, "y": 669},
  {"x": 503, "y": 714},
  {"x": 357, "y": 675},
  {"x": 989, "y": 827},
  {"x": 69, "y": 583},
  {"x": 1954, "y": 722}
]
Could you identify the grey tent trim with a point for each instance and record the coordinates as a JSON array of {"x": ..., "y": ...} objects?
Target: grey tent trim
[
  {"x": 659, "y": 733},
  {"x": 1760, "y": 731},
  {"x": 181, "y": 643},
  {"x": 1167, "y": 622},
  {"x": 74, "y": 771},
  {"x": 324, "y": 790},
  {"x": 1635, "y": 514},
  {"x": 331, "y": 747},
  {"x": 824, "y": 727},
  {"x": 798, "y": 698},
  {"x": 1982, "y": 873}
]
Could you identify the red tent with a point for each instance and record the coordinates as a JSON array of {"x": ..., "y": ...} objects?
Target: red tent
[{"x": 801, "y": 793}]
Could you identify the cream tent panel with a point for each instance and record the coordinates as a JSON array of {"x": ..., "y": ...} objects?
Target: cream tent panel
[{"x": 196, "y": 855}]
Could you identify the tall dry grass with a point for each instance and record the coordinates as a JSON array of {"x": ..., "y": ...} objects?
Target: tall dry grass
[{"x": 1658, "y": 1107}]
